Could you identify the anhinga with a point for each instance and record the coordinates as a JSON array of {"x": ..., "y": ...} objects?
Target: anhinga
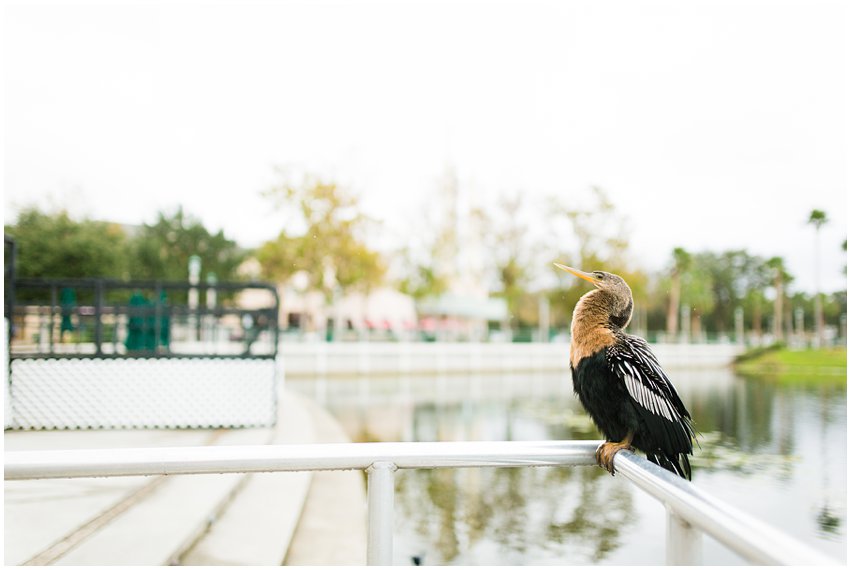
[{"x": 621, "y": 384}]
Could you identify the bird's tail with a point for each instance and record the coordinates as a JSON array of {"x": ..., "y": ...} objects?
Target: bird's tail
[{"x": 677, "y": 463}]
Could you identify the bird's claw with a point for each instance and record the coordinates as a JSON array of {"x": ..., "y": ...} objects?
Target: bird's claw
[{"x": 605, "y": 454}]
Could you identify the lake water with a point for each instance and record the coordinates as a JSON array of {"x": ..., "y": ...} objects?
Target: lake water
[{"x": 774, "y": 450}]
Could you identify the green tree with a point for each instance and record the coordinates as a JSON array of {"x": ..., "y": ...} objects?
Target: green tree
[
  {"x": 358, "y": 267},
  {"x": 727, "y": 274},
  {"x": 722, "y": 282},
  {"x": 697, "y": 294},
  {"x": 323, "y": 236},
  {"x": 280, "y": 258},
  {"x": 161, "y": 250},
  {"x": 54, "y": 246},
  {"x": 817, "y": 219},
  {"x": 504, "y": 236},
  {"x": 421, "y": 280},
  {"x": 759, "y": 277},
  {"x": 681, "y": 263},
  {"x": 781, "y": 278}
]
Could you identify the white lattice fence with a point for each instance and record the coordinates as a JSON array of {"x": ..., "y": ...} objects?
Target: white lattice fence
[{"x": 50, "y": 393}]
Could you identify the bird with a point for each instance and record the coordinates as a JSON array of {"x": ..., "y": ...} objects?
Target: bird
[{"x": 620, "y": 382}]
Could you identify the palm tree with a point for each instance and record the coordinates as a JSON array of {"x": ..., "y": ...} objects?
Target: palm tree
[
  {"x": 781, "y": 277},
  {"x": 818, "y": 218},
  {"x": 682, "y": 260}
]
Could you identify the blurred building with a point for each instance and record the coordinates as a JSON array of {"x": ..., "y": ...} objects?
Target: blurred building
[
  {"x": 454, "y": 316},
  {"x": 383, "y": 313}
]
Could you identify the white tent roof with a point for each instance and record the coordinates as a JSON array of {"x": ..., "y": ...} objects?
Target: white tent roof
[{"x": 489, "y": 309}]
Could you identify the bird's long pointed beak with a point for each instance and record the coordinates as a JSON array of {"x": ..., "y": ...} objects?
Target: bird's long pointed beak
[{"x": 577, "y": 272}]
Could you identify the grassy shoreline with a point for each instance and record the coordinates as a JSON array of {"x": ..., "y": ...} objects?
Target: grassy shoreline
[{"x": 820, "y": 365}]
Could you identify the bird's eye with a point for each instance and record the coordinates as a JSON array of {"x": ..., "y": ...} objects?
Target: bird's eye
[{"x": 598, "y": 274}]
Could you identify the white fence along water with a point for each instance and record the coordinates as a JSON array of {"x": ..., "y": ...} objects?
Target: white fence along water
[{"x": 384, "y": 358}]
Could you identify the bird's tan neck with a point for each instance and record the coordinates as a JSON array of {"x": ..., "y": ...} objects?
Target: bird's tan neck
[{"x": 590, "y": 330}]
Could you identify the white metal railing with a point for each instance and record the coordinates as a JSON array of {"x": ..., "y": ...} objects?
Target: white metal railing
[{"x": 690, "y": 510}]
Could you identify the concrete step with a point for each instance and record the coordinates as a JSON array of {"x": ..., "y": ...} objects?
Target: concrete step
[
  {"x": 156, "y": 528},
  {"x": 255, "y": 527},
  {"x": 46, "y": 519},
  {"x": 333, "y": 525},
  {"x": 297, "y": 518},
  {"x": 155, "y": 520}
]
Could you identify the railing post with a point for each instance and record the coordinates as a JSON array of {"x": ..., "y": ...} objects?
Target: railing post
[
  {"x": 683, "y": 546},
  {"x": 380, "y": 499},
  {"x": 158, "y": 316},
  {"x": 53, "y": 303},
  {"x": 98, "y": 316}
]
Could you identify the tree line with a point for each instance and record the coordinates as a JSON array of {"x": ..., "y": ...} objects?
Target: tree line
[
  {"x": 325, "y": 236},
  {"x": 53, "y": 245}
]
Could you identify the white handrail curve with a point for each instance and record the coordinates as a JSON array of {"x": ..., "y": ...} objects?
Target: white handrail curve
[{"x": 751, "y": 538}]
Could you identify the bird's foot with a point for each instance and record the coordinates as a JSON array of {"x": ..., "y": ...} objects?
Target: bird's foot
[{"x": 606, "y": 454}]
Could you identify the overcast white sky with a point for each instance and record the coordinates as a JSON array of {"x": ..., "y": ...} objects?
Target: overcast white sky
[{"x": 712, "y": 125}]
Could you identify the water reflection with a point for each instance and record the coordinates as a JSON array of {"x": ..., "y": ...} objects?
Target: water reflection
[
  {"x": 457, "y": 516},
  {"x": 777, "y": 451}
]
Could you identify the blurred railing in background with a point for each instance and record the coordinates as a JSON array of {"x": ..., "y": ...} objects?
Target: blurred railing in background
[
  {"x": 101, "y": 354},
  {"x": 372, "y": 359},
  {"x": 110, "y": 318}
]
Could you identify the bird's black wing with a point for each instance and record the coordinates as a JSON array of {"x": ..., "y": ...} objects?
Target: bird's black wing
[
  {"x": 647, "y": 384},
  {"x": 668, "y": 432}
]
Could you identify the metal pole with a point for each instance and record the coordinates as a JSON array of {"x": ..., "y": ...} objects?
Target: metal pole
[
  {"x": 276, "y": 322},
  {"x": 53, "y": 303},
  {"x": 10, "y": 293},
  {"x": 210, "y": 328},
  {"x": 69, "y": 463},
  {"x": 543, "y": 319},
  {"x": 98, "y": 316},
  {"x": 192, "y": 300},
  {"x": 684, "y": 544},
  {"x": 739, "y": 315},
  {"x": 158, "y": 316},
  {"x": 380, "y": 498}
]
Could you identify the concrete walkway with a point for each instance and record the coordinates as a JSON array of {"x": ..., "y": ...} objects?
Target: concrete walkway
[{"x": 233, "y": 519}]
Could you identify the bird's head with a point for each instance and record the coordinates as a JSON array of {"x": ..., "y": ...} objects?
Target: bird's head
[
  {"x": 601, "y": 280},
  {"x": 619, "y": 295}
]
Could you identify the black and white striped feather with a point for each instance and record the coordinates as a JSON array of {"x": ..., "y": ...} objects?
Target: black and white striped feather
[{"x": 669, "y": 433}]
